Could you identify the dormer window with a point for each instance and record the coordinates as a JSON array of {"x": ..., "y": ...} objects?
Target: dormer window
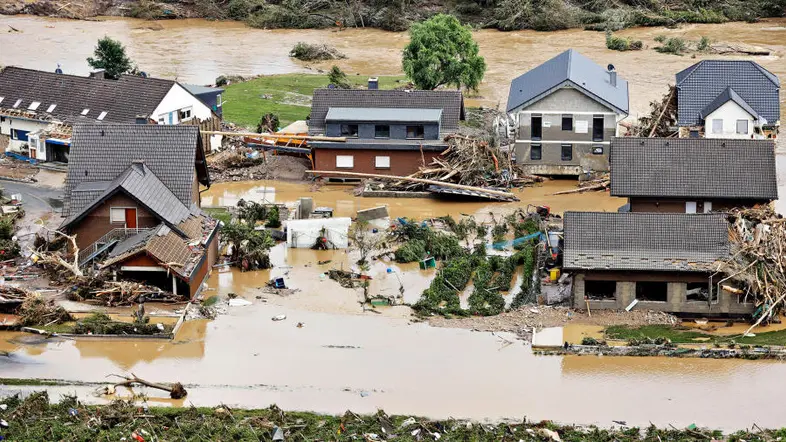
[
  {"x": 101, "y": 115},
  {"x": 349, "y": 130},
  {"x": 382, "y": 131},
  {"x": 416, "y": 132},
  {"x": 85, "y": 111},
  {"x": 34, "y": 105},
  {"x": 51, "y": 108}
]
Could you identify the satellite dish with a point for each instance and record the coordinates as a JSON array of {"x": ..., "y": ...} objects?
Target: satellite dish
[{"x": 610, "y": 67}]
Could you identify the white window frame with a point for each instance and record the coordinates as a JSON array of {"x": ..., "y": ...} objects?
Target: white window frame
[
  {"x": 34, "y": 105},
  {"x": 85, "y": 112},
  {"x": 1, "y": 99},
  {"x": 51, "y": 108},
  {"x": 737, "y": 127},
  {"x": 345, "y": 161},
  {"x": 218, "y": 100},
  {"x": 123, "y": 209},
  {"x": 690, "y": 206},
  {"x": 382, "y": 162},
  {"x": 707, "y": 206},
  {"x": 715, "y": 122},
  {"x": 18, "y": 102},
  {"x": 102, "y": 115},
  {"x": 189, "y": 109}
]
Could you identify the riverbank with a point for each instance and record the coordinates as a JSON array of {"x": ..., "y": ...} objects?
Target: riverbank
[{"x": 34, "y": 418}]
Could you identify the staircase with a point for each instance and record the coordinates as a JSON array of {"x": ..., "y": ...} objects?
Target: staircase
[{"x": 106, "y": 242}]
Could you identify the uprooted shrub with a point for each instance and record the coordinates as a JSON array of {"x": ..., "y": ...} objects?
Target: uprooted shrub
[
  {"x": 250, "y": 248},
  {"x": 420, "y": 241},
  {"x": 622, "y": 44},
  {"x": 101, "y": 324},
  {"x": 315, "y": 52},
  {"x": 36, "y": 311}
]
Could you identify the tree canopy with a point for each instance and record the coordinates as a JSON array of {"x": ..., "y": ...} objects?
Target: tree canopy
[
  {"x": 442, "y": 52},
  {"x": 110, "y": 55}
]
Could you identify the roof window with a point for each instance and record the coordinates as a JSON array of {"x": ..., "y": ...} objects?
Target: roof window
[
  {"x": 101, "y": 115},
  {"x": 51, "y": 107},
  {"x": 84, "y": 112},
  {"x": 1, "y": 99},
  {"x": 34, "y": 105},
  {"x": 18, "y": 102}
]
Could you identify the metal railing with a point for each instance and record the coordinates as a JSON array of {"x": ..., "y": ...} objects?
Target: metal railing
[{"x": 86, "y": 254}]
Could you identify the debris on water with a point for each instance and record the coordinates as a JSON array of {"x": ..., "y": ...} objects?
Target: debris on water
[
  {"x": 300, "y": 325},
  {"x": 239, "y": 302},
  {"x": 363, "y": 393},
  {"x": 279, "y": 317}
]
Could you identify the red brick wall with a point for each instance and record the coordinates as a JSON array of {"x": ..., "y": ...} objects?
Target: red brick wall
[
  {"x": 401, "y": 162},
  {"x": 96, "y": 224}
]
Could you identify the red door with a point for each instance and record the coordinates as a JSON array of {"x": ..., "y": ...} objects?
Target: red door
[{"x": 131, "y": 218}]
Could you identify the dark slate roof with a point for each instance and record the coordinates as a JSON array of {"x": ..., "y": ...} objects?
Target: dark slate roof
[
  {"x": 693, "y": 168},
  {"x": 121, "y": 99},
  {"x": 103, "y": 152},
  {"x": 724, "y": 97},
  {"x": 141, "y": 184},
  {"x": 569, "y": 68},
  {"x": 644, "y": 241},
  {"x": 382, "y": 144},
  {"x": 451, "y": 102},
  {"x": 700, "y": 84},
  {"x": 372, "y": 114},
  {"x": 197, "y": 90}
]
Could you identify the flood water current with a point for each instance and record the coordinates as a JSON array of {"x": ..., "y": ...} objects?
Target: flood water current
[{"x": 342, "y": 357}]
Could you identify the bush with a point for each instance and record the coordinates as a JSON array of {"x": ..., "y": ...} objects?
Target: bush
[
  {"x": 273, "y": 218},
  {"x": 338, "y": 78},
  {"x": 660, "y": 38},
  {"x": 315, "y": 52},
  {"x": 673, "y": 45},
  {"x": 239, "y": 9},
  {"x": 101, "y": 324},
  {"x": 282, "y": 16},
  {"x": 704, "y": 44},
  {"x": 7, "y": 227},
  {"x": 412, "y": 251},
  {"x": 622, "y": 44},
  {"x": 268, "y": 123}
]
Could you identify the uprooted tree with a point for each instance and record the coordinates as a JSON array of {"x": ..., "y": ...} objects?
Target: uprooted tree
[
  {"x": 364, "y": 240},
  {"x": 250, "y": 247}
]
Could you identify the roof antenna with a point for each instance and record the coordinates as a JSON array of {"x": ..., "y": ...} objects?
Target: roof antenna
[{"x": 58, "y": 70}]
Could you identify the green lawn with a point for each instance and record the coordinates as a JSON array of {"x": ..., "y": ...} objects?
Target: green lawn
[
  {"x": 683, "y": 335},
  {"x": 287, "y": 95},
  {"x": 219, "y": 213}
]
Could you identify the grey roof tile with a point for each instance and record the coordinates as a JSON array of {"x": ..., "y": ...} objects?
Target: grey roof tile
[
  {"x": 121, "y": 99},
  {"x": 102, "y": 152},
  {"x": 370, "y": 114},
  {"x": 576, "y": 69},
  {"x": 451, "y": 102},
  {"x": 693, "y": 168},
  {"x": 700, "y": 84},
  {"x": 197, "y": 90},
  {"x": 644, "y": 241}
]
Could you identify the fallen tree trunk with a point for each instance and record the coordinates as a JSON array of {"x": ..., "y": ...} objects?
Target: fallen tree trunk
[
  {"x": 415, "y": 180},
  {"x": 600, "y": 186},
  {"x": 176, "y": 390}
]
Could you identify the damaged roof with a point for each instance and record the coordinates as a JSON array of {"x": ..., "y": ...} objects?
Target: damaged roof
[
  {"x": 644, "y": 241},
  {"x": 451, "y": 102},
  {"x": 693, "y": 168},
  {"x": 706, "y": 81},
  {"x": 66, "y": 97},
  {"x": 569, "y": 68},
  {"x": 101, "y": 152}
]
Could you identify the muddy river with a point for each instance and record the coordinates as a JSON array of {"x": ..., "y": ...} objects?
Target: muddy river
[{"x": 198, "y": 51}]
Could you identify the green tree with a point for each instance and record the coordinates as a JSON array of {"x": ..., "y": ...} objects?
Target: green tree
[
  {"x": 442, "y": 52},
  {"x": 338, "y": 78},
  {"x": 110, "y": 55}
]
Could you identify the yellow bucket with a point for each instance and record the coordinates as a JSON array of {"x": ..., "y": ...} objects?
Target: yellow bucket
[{"x": 554, "y": 273}]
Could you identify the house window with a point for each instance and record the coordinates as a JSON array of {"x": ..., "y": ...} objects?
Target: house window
[
  {"x": 690, "y": 206},
  {"x": 345, "y": 161},
  {"x": 742, "y": 126},
  {"x": 652, "y": 291},
  {"x": 161, "y": 120},
  {"x": 536, "y": 124},
  {"x": 597, "y": 149},
  {"x": 567, "y": 122},
  {"x": 34, "y": 105},
  {"x": 117, "y": 215},
  {"x": 184, "y": 114},
  {"x": 85, "y": 111},
  {"x": 20, "y": 135},
  {"x": 18, "y": 102},
  {"x": 1, "y": 99},
  {"x": 536, "y": 152},
  {"x": 101, "y": 115},
  {"x": 597, "y": 128},
  {"x": 707, "y": 206},
  {"x": 717, "y": 126},
  {"x": 415, "y": 131},
  {"x": 349, "y": 130},
  {"x": 219, "y": 103},
  {"x": 51, "y": 108},
  {"x": 567, "y": 152},
  {"x": 382, "y": 162},
  {"x": 381, "y": 131}
]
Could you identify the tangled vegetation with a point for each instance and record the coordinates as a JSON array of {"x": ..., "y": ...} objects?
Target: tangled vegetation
[
  {"x": 101, "y": 324},
  {"x": 622, "y": 44},
  {"x": 250, "y": 247},
  {"x": 9, "y": 248},
  {"x": 421, "y": 241},
  {"x": 315, "y": 52},
  {"x": 34, "y": 418}
]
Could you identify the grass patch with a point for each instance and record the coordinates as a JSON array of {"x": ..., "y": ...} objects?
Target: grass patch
[
  {"x": 288, "y": 96},
  {"x": 684, "y": 335},
  {"x": 219, "y": 213},
  {"x": 31, "y": 382}
]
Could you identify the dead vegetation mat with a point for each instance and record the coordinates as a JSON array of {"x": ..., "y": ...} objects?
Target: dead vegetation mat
[{"x": 34, "y": 418}]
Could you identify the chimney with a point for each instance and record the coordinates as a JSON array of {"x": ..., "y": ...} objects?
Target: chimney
[
  {"x": 141, "y": 119},
  {"x": 373, "y": 83},
  {"x": 612, "y": 75},
  {"x": 100, "y": 74}
]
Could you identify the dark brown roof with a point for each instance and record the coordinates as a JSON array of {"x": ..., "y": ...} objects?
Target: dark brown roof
[
  {"x": 121, "y": 99},
  {"x": 102, "y": 152},
  {"x": 451, "y": 102}
]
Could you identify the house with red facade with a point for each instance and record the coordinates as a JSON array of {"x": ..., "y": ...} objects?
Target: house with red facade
[
  {"x": 388, "y": 132},
  {"x": 132, "y": 202}
]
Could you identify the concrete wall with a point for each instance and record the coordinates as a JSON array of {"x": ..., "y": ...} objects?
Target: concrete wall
[
  {"x": 551, "y": 128},
  {"x": 729, "y": 113},
  {"x": 397, "y": 131},
  {"x": 96, "y": 224},
  {"x": 666, "y": 205},
  {"x": 676, "y": 301},
  {"x": 551, "y": 162},
  {"x": 176, "y": 99},
  {"x": 402, "y": 162},
  {"x": 8, "y": 123},
  {"x": 566, "y": 98}
]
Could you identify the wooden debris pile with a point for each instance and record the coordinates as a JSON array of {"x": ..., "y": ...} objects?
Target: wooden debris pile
[
  {"x": 469, "y": 162},
  {"x": 758, "y": 261},
  {"x": 662, "y": 119},
  {"x": 598, "y": 184},
  {"x": 121, "y": 293},
  {"x": 37, "y": 311}
]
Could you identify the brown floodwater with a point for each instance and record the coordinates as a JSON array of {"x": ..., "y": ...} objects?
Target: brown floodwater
[{"x": 207, "y": 49}]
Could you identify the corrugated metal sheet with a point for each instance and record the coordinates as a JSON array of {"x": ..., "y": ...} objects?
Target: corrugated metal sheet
[{"x": 371, "y": 114}]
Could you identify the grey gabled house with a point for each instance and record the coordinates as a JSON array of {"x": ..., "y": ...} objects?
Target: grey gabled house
[
  {"x": 728, "y": 99},
  {"x": 565, "y": 112}
]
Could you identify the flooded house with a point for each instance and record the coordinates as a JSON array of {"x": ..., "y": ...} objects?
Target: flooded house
[
  {"x": 388, "y": 132},
  {"x": 654, "y": 261},
  {"x": 728, "y": 99},
  {"x": 693, "y": 175},
  {"x": 132, "y": 200},
  {"x": 38, "y": 109},
  {"x": 565, "y": 113}
]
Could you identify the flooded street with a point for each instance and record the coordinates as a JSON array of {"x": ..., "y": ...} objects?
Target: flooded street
[{"x": 207, "y": 49}]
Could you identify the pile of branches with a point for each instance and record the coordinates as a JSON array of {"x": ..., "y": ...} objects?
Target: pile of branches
[
  {"x": 36, "y": 311},
  {"x": 315, "y": 52},
  {"x": 470, "y": 162},
  {"x": 661, "y": 120},
  {"x": 758, "y": 260},
  {"x": 598, "y": 184},
  {"x": 101, "y": 291}
]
